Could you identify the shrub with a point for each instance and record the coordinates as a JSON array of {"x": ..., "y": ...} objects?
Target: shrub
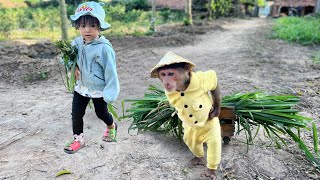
[
  {"x": 7, "y": 21},
  {"x": 165, "y": 14}
]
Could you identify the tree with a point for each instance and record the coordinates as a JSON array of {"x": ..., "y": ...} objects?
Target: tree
[
  {"x": 64, "y": 19},
  {"x": 188, "y": 12}
]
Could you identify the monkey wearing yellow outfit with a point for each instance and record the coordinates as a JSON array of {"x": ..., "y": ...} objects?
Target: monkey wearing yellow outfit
[{"x": 196, "y": 98}]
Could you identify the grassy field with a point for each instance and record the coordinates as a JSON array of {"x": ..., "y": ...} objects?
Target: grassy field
[{"x": 304, "y": 30}]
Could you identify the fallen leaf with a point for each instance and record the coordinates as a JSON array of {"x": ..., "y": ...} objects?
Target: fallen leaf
[{"x": 62, "y": 172}]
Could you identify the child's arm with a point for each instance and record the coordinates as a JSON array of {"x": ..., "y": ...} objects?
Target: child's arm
[{"x": 112, "y": 88}]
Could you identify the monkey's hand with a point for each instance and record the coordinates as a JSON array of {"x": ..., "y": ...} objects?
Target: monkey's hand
[{"x": 214, "y": 112}]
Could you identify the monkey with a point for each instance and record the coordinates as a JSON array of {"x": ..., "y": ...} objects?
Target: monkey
[{"x": 196, "y": 97}]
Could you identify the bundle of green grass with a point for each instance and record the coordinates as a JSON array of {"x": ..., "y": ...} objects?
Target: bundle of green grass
[{"x": 253, "y": 110}]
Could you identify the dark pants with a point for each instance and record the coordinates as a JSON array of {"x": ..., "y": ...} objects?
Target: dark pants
[{"x": 79, "y": 105}]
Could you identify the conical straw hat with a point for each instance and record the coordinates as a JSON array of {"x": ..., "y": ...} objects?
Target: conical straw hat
[{"x": 168, "y": 59}]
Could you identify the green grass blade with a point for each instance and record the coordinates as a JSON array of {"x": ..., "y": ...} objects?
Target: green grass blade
[{"x": 315, "y": 138}]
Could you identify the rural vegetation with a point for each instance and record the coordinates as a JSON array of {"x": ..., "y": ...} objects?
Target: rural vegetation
[{"x": 41, "y": 19}]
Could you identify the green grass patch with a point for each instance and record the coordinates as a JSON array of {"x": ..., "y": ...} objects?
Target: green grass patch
[
  {"x": 37, "y": 76},
  {"x": 305, "y": 30},
  {"x": 316, "y": 57}
]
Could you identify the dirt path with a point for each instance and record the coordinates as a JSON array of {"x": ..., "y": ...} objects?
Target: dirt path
[{"x": 35, "y": 117}]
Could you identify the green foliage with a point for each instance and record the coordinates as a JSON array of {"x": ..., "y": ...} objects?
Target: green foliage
[
  {"x": 35, "y": 23},
  {"x": 169, "y": 15},
  {"x": 165, "y": 14},
  {"x": 221, "y": 7},
  {"x": 251, "y": 2},
  {"x": 186, "y": 21},
  {"x": 69, "y": 54},
  {"x": 303, "y": 30},
  {"x": 132, "y": 4},
  {"x": 119, "y": 13},
  {"x": 154, "y": 113},
  {"x": 7, "y": 21},
  {"x": 115, "y": 13},
  {"x": 261, "y": 3},
  {"x": 137, "y": 5},
  {"x": 42, "y": 4},
  {"x": 30, "y": 18}
]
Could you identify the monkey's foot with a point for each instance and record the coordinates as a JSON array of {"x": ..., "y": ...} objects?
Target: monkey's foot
[
  {"x": 210, "y": 174},
  {"x": 196, "y": 161}
]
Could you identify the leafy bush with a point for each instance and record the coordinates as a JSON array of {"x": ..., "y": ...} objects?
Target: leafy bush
[
  {"x": 305, "y": 30},
  {"x": 42, "y": 4},
  {"x": 165, "y": 14},
  {"x": 7, "y": 21},
  {"x": 132, "y": 4},
  {"x": 115, "y": 13},
  {"x": 221, "y": 7}
]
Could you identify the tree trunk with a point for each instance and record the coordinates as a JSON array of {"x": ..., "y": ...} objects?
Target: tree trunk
[
  {"x": 256, "y": 11},
  {"x": 153, "y": 18},
  {"x": 64, "y": 19},
  {"x": 209, "y": 10},
  {"x": 246, "y": 10},
  {"x": 188, "y": 11}
]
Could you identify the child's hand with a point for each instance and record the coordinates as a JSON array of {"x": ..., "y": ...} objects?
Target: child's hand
[
  {"x": 214, "y": 112},
  {"x": 77, "y": 73}
]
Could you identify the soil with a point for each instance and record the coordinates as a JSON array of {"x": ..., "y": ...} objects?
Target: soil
[{"x": 35, "y": 106}]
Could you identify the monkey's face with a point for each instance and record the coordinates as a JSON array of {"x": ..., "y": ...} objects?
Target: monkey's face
[{"x": 174, "y": 79}]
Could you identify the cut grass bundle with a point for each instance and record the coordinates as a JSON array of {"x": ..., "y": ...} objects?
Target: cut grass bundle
[
  {"x": 154, "y": 113},
  {"x": 69, "y": 54},
  {"x": 253, "y": 110}
]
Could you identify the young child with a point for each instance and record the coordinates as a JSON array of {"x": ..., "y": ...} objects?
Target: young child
[
  {"x": 96, "y": 73},
  {"x": 196, "y": 98}
]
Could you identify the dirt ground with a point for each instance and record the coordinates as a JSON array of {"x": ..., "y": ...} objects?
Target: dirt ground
[{"x": 35, "y": 106}]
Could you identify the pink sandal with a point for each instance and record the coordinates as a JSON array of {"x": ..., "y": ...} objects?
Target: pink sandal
[
  {"x": 110, "y": 135},
  {"x": 75, "y": 145}
]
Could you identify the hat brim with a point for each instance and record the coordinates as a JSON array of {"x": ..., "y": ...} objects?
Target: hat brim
[
  {"x": 168, "y": 59},
  {"x": 155, "y": 74},
  {"x": 103, "y": 25}
]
